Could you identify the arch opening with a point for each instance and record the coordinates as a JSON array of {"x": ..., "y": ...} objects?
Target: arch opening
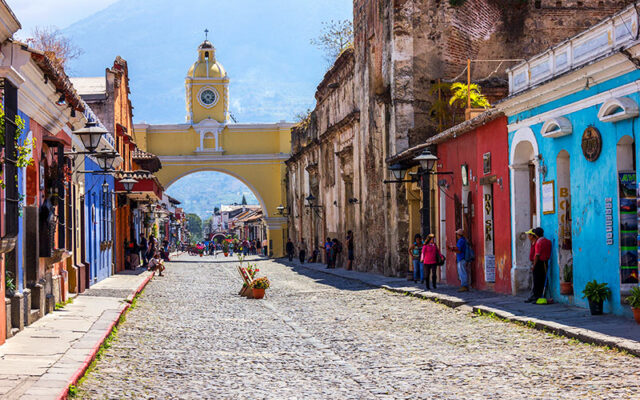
[{"x": 223, "y": 201}]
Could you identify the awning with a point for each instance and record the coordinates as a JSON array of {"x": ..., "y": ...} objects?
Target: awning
[{"x": 148, "y": 188}]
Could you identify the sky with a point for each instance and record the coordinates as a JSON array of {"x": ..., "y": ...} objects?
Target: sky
[
  {"x": 60, "y": 13},
  {"x": 263, "y": 45}
]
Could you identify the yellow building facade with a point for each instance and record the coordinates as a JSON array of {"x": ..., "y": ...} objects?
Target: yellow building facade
[{"x": 207, "y": 141}]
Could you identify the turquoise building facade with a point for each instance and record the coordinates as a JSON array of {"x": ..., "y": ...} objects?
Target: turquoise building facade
[{"x": 572, "y": 122}]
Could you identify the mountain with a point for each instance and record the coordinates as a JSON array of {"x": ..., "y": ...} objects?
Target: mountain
[
  {"x": 201, "y": 192},
  {"x": 263, "y": 45}
]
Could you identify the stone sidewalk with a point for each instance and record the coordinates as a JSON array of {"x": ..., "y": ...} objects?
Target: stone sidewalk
[
  {"x": 53, "y": 353},
  {"x": 570, "y": 321}
]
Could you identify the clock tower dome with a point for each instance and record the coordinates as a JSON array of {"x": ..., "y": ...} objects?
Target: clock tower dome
[{"x": 207, "y": 88}]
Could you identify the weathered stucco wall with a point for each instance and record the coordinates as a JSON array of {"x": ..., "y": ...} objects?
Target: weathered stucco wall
[{"x": 377, "y": 101}]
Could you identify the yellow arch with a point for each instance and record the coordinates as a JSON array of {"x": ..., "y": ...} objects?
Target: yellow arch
[
  {"x": 255, "y": 192},
  {"x": 252, "y": 153}
]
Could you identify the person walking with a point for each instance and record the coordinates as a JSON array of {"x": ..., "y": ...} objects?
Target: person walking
[
  {"x": 539, "y": 257},
  {"x": 327, "y": 251},
  {"x": 290, "y": 249},
  {"x": 430, "y": 258},
  {"x": 461, "y": 249},
  {"x": 302, "y": 248},
  {"x": 350, "y": 251},
  {"x": 143, "y": 249},
  {"x": 415, "y": 251}
]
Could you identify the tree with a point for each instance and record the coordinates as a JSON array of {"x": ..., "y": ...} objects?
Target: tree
[
  {"x": 194, "y": 225},
  {"x": 459, "y": 96},
  {"x": 336, "y": 36},
  {"x": 244, "y": 200},
  {"x": 57, "y": 47}
]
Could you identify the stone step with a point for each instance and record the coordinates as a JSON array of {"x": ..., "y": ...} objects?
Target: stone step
[{"x": 34, "y": 315}]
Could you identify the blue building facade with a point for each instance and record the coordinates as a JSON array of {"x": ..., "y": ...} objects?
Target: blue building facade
[
  {"x": 573, "y": 118},
  {"x": 98, "y": 201}
]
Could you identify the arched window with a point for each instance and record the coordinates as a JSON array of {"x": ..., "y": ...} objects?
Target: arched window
[
  {"x": 618, "y": 109},
  {"x": 209, "y": 141},
  {"x": 556, "y": 127}
]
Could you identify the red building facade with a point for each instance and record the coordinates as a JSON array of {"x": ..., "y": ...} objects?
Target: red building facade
[{"x": 476, "y": 198}]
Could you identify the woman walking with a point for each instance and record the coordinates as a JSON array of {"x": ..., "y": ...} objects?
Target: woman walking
[
  {"x": 430, "y": 257},
  {"x": 415, "y": 250}
]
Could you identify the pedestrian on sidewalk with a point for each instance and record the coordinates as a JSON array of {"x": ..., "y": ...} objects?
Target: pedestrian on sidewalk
[
  {"x": 430, "y": 259},
  {"x": 336, "y": 251},
  {"x": 143, "y": 249},
  {"x": 302, "y": 248},
  {"x": 539, "y": 257},
  {"x": 461, "y": 249},
  {"x": 290, "y": 249},
  {"x": 350, "y": 251},
  {"x": 415, "y": 251},
  {"x": 327, "y": 251}
]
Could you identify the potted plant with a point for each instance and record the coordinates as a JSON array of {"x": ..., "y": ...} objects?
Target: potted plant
[
  {"x": 596, "y": 293},
  {"x": 634, "y": 302},
  {"x": 259, "y": 286},
  {"x": 225, "y": 248},
  {"x": 566, "y": 286},
  {"x": 9, "y": 284}
]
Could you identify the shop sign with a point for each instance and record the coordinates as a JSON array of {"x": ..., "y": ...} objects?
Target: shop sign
[
  {"x": 486, "y": 163},
  {"x": 608, "y": 215},
  {"x": 548, "y": 197},
  {"x": 490, "y": 268},
  {"x": 628, "y": 211},
  {"x": 591, "y": 143}
]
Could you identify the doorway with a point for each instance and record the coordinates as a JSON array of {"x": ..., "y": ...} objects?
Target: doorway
[
  {"x": 565, "y": 249},
  {"x": 524, "y": 204}
]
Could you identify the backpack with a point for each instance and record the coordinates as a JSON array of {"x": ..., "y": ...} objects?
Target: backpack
[{"x": 469, "y": 255}]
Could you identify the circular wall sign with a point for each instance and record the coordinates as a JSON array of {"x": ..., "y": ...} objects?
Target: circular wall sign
[{"x": 591, "y": 143}]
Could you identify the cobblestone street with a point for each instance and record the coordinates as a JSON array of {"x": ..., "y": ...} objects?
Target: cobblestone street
[{"x": 317, "y": 336}]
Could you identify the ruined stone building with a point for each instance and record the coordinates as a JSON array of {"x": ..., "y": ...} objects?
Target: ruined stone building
[{"x": 377, "y": 101}]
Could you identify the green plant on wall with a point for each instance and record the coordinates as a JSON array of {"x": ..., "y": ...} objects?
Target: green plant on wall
[
  {"x": 23, "y": 151},
  {"x": 459, "y": 96}
]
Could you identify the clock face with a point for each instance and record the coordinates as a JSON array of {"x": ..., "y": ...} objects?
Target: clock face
[{"x": 208, "y": 96}]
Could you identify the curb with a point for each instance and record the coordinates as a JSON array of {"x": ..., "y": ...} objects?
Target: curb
[
  {"x": 570, "y": 332},
  {"x": 94, "y": 351}
]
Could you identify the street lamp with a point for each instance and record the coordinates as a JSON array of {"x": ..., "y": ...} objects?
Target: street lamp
[
  {"x": 128, "y": 184},
  {"x": 90, "y": 135},
  {"x": 281, "y": 210},
  {"x": 427, "y": 161},
  {"x": 398, "y": 170},
  {"x": 106, "y": 159}
]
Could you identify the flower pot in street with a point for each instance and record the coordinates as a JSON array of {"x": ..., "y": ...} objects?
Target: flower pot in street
[
  {"x": 595, "y": 307},
  {"x": 226, "y": 254},
  {"x": 258, "y": 293},
  {"x": 636, "y": 314},
  {"x": 566, "y": 288}
]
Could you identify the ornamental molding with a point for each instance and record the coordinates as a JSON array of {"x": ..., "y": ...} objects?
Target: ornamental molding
[{"x": 617, "y": 109}]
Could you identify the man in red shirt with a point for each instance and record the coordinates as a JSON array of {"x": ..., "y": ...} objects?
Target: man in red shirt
[{"x": 539, "y": 255}]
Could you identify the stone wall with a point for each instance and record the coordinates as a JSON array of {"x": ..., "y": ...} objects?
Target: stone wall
[{"x": 376, "y": 101}]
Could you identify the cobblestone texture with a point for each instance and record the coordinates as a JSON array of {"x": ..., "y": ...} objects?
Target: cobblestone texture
[{"x": 317, "y": 336}]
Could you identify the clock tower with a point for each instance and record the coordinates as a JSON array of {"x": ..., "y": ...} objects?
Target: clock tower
[{"x": 207, "y": 88}]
